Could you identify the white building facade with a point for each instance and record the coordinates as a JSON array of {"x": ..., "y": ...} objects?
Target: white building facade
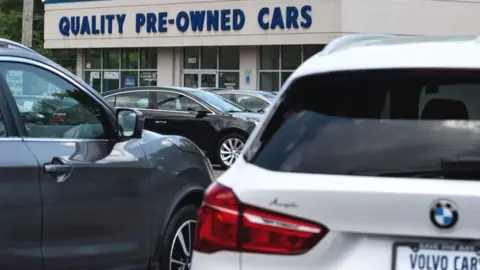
[{"x": 241, "y": 44}]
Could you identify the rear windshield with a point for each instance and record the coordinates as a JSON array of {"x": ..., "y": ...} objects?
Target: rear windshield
[{"x": 372, "y": 122}]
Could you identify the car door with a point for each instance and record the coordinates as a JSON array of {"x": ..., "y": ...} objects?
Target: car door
[
  {"x": 94, "y": 188},
  {"x": 178, "y": 115},
  {"x": 20, "y": 203}
]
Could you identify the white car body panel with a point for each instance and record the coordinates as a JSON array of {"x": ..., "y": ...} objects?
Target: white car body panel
[{"x": 378, "y": 211}]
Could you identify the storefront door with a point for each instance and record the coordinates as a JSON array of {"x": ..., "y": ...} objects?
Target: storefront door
[{"x": 208, "y": 79}]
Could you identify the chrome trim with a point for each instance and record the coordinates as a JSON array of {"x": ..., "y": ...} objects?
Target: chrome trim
[
  {"x": 11, "y": 139},
  {"x": 161, "y": 90},
  {"x": 30, "y": 139}
]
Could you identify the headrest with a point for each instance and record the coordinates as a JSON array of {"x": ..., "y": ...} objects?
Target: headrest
[{"x": 441, "y": 109}]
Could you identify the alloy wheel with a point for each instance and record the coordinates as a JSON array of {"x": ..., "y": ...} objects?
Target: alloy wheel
[
  {"x": 230, "y": 150},
  {"x": 182, "y": 247}
]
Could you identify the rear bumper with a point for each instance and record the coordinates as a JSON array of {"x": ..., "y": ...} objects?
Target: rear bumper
[{"x": 216, "y": 261}]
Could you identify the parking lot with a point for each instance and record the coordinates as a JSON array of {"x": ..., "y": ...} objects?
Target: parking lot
[{"x": 218, "y": 171}]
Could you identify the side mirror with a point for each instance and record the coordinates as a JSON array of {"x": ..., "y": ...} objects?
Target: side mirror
[
  {"x": 202, "y": 114},
  {"x": 130, "y": 123}
]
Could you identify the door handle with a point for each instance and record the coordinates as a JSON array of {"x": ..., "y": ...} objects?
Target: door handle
[
  {"x": 58, "y": 168},
  {"x": 161, "y": 122}
]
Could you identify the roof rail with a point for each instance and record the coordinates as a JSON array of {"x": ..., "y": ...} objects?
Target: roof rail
[
  {"x": 349, "y": 40},
  {"x": 12, "y": 44}
]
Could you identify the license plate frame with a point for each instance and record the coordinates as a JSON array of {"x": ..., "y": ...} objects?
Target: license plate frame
[{"x": 441, "y": 246}]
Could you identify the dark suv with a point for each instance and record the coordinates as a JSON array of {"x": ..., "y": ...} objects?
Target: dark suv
[{"x": 82, "y": 184}]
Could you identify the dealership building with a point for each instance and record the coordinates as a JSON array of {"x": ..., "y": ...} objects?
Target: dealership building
[{"x": 241, "y": 44}]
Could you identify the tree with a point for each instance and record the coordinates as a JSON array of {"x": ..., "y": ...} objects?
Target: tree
[{"x": 11, "y": 23}]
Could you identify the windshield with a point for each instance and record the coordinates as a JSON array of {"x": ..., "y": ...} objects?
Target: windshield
[
  {"x": 268, "y": 95},
  {"x": 218, "y": 102},
  {"x": 372, "y": 123}
]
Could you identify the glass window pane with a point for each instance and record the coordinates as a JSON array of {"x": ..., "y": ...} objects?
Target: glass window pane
[
  {"x": 66, "y": 58},
  {"x": 229, "y": 80},
  {"x": 129, "y": 78},
  {"x": 252, "y": 103},
  {"x": 285, "y": 76},
  {"x": 129, "y": 58},
  {"x": 111, "y": 80},
  {"x": 111, "y": 58},
  {"x": 190, "y": 80},
  {"x": 209, "y": 80},
  {"x": 309, "y": 50},
  {"x": 229, "y": 58},
  {"x": 291, "y": 56},
  {"x": 93, "y": 59},
  {"x": 53, "y": 108},
  {"x": 209, "y": 58},
  {"x": 269, "y": 57},
  {"x": 148, "y": 78},
  {"x": 137, "y": 100},
  {"x": 148, "y": 58},
  {"x": 94, "y": 80},
  {"x": 191, "y": 57},
  {"x": 269, "y": 81}
]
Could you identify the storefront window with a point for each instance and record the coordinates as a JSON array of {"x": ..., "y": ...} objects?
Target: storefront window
[
  {"x": 111, "y": 58},
  {"x": 67, "y": 58},
  {"x": 277, "y": 63},
  {"x": 116, "y": 68},
  {"x": 93, "y": 59},
  {"x": 211, "y": 67},
  {"x": 148, "y": 58},
  {"x": 229, "y": 58}
]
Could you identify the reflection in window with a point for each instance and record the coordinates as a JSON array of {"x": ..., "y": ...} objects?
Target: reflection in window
[
  {"x": 229, "y": 58},
  {"x": 111, "y": 58},
  {"x": 53, "y": 108},
  {"x": 148, "y": 58},
  {"x": 93, "y": 58},
  {"x": 208, "y": 58},
  {"x": 137, "y": 100},
  {"x": 129, "y": 58}
]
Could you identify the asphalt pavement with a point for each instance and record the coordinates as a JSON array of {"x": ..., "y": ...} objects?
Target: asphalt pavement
[{"x": 217, "y": 171}]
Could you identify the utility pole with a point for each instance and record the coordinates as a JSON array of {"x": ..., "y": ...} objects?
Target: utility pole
[{"x": 27, "y": 23}]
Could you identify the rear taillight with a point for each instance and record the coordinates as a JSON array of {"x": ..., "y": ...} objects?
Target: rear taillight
[{"x": 224, "y": 223}]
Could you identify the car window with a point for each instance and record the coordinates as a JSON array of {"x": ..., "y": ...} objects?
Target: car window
[
  {"x": 227, "y": 96},
  {"x": 3, "y": 129},
  {"x": 177, "y": 102},
  {"x": 138, "y": 100},
  {"x": 51, "y": 107},
  {"x": 218, "y": 102},
  {"x": 250, "y": 102},
  {"x": 381, "y": 123},
  {"x": 111, "y": 100}
]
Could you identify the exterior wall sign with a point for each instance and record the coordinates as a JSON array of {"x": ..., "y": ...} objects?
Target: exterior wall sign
[{"x": 224, "y": 20}]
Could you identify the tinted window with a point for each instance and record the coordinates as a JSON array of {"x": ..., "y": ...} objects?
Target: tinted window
[
  {"x": 177, "y": 102},
  {"x": 372, "y": 123},
  {"x": 3, "y": 129},
  {"x": 52, "y": 107},
  {"x": 220, "y": 103},
  {"x": 137, "y": 100},
  {"x": 251, "y": 102}
]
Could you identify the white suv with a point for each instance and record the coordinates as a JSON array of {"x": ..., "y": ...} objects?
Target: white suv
[{"x": 369, "y": 159}]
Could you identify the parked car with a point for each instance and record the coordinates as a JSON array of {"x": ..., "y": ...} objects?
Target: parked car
[
  {"x": 84, "y": 185},
  {"x": 218, "y": 126},
  {"x": 369, "y": 157},
  {"x": 253, "y": 100}
]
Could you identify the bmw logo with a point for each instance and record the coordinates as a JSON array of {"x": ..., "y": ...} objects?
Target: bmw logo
[{"x": 444, "y": 214}]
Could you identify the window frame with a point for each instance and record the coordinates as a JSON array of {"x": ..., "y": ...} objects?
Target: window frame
[
  {"x": 200, "y": 71},
  {"x": 110, "y": 118},
  {"x": 280, "y": 71},
  {"x": 120, "y": 70}
]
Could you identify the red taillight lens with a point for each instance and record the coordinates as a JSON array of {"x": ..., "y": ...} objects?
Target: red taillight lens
[
  {"x": 58, "y": 117},
  {"x": 225, "y": 224}
]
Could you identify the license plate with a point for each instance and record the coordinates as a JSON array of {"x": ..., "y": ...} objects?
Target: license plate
[{"x": 435, "y": 256}]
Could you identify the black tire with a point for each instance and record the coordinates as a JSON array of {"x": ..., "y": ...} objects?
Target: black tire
[
  {"x": 179, "y": 218},
  {"x": 219, "y": 145}
]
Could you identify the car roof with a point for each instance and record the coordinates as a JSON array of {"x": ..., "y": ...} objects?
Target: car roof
[
  {"x": 245, "y": 91},
  {"x": 185, "y": 90},
  {"x": 396, "y": 52}
]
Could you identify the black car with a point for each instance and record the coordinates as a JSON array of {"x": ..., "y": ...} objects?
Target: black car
[
  {"x": 253, "y": 100},
  {"x": 83, "y": 185},
  {"x": 218, "y": 126}
]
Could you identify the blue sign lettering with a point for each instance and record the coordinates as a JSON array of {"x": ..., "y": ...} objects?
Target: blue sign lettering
[
  {"x": 285, "y": 19},
  {"x": 91, "y": 25},
  {"x": 225, "y": 20}
]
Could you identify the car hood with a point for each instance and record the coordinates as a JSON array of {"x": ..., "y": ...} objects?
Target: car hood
[{"x": 248, "y": 115}]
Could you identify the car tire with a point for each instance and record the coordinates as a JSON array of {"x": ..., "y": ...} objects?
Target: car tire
[
  {"x": 171, "y": 251},
  {"x": 235, "y": 139}
]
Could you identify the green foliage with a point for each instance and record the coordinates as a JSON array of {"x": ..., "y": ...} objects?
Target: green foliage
[{"x": 11, "y": 12}]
